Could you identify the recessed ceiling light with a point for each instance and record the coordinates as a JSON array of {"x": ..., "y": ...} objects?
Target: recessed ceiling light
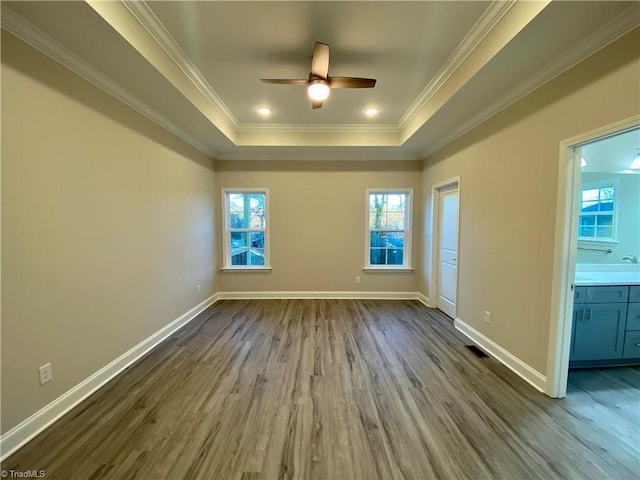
[
  {"x": 635, "y": 164},
  {"x": 264, "y": 111},
  {"x": 372, "y": 111}
]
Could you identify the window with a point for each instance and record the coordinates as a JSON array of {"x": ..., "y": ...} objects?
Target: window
[
  {"x": 246, "y": 234},
  {"x": 598, "y": 208},
  {"x": 388, "y": 238}
]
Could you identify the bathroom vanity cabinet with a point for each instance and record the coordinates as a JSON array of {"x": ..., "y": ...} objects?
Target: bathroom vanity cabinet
[{"x": 606, "y": 326}]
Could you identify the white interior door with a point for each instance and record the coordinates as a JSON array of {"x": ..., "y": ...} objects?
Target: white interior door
[{"x": 448, "y": 251}]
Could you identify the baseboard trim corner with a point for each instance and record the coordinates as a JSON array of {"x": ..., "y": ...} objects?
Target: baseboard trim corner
[
  {"x": 422, "y": 298},
  {"x": 46, "y": 416},
  {"x": 526, "y": 372}
]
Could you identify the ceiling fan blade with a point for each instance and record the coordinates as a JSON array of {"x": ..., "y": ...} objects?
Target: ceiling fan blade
[
  {"x": 316, "y": 104},
  {"x": 351, "y": 82},
  {"x": 285, "y": 81},
  {"x": 320, "y": 60}
]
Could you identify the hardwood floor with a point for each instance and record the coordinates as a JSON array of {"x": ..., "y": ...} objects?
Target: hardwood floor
[{"x": 331, "y": 389}]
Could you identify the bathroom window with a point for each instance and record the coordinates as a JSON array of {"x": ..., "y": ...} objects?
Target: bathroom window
[
  {"x": 598, "y": 209},
  {"x": 246, "y": 229}
]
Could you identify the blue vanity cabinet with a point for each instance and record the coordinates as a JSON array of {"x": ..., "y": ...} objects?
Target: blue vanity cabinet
[
  {"x": 599, "y": 325},
  {"x": 608, "y": 294},
  {"x": 603, "y": 330},
  {"x": 579, "y": 294},
  {"x": 632, "y": 335}
]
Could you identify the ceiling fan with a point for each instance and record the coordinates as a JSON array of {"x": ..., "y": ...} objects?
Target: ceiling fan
[{"x": 319, "y": 82}]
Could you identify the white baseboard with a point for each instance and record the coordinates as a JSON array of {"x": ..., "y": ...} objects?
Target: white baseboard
[
  {"x": 316, "y": 295},
  {"x": 422, "y": 298},
  {"x": 36, "y": 423},
  {"x": 529, "y": 374}
]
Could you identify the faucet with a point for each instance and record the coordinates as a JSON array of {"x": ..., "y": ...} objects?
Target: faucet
[{"x": 631, "y": 258}]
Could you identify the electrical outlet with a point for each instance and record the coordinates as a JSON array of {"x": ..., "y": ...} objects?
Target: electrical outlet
[
  {"x": 487, "y": 317},
  {"x": 357, "y": 279},
  {"x": 199, "y": 289},
  {"x": 46, "y": 374}
]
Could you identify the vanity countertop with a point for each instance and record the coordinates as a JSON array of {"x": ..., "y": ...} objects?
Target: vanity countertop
[{"x": 607, "y": 278}]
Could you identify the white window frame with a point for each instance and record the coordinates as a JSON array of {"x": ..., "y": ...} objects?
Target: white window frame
[
  {"x": 613, "y": 182},
  {"x": 406, "y": 266},
  {"x": 226, "y": 235}
]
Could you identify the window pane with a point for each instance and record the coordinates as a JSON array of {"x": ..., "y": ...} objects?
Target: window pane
[
  {"x": 395, "y": 202},
  {"x": 377, "y": 256},
  {"x": 236, "y": 202},
  {"x": 591, "y": 195},
  {"x": 378, "y": 239},
  {"x": 377, "y": 209},
  {"x": 396, "y": 239},
  {"x": 605, "y": 220},
  {"x": 238, "y": 239},
  {"x": 394, "y": 256},
  {"x": 606, "y": 194},
  {"x": 257, "y": 239},
  {"x": 587, "y": 231},
  {"x": 589, "y": 206},
  {"x": 587, "y": 220},
  {"x": 257, "y": 206},
  {"x": 257, "y": 256},
  {"x": 237, "y": 220},
  {"x": 239, "y": 258},
  {"x": 604, "y": 232},
  {"x": 395, "y": 220},
  {"x": 606, "y": 206},
  {"x": 247, "y": 210}
]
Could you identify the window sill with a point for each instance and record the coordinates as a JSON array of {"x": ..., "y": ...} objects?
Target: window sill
[
  {"x": 245, "y": 269},
  {"x": 388, "y": 269},
  {"x": 596, "y": 242}
]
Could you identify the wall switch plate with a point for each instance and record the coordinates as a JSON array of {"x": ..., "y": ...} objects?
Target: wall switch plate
[
  {"x": 487, "y": 317},
  {"x": 199, "y": 289},
  {"x": 46, "y": 374},
  {"x": 357, "y": 279}
]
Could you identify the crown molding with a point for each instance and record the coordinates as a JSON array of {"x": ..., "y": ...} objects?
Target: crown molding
[
  {"x": 319, "y": 154},
  {"x": 317, "y": 128},
  {"x": 36, "y": 38},
  {"x": 605, "y": 35},
  {"x": 489, "y": 19},
  {"x": 150, "y": 22}
]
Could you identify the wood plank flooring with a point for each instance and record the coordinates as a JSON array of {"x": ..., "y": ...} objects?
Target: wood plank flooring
[{"x": 328, "y": 389}]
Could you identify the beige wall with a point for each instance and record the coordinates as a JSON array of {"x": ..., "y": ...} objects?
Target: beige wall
[
  {"x": 509, "y": 169},
  {"x": 107, "y": 229},
  {"x": 318, "y": 224}
]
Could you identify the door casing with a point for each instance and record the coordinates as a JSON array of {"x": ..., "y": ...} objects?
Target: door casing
[{"x": 565, "y": 253}]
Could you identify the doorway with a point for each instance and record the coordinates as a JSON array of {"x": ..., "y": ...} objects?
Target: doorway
[
  {"x": 570, "y": 224},
  {"x": 445, "y": 202}
]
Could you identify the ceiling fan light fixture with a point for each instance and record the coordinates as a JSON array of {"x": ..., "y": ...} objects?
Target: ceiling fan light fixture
[
  {"x": 318, "y": 90},
  {"x": 635, "y": 164}
]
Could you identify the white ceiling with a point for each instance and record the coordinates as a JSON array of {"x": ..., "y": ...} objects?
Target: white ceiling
[
  {"x": 442, "y": 67},
  {"x": 612, "y": 154}
]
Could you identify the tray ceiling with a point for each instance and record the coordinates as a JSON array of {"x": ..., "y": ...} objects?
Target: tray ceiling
[{"x": 442, "y": 67}]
